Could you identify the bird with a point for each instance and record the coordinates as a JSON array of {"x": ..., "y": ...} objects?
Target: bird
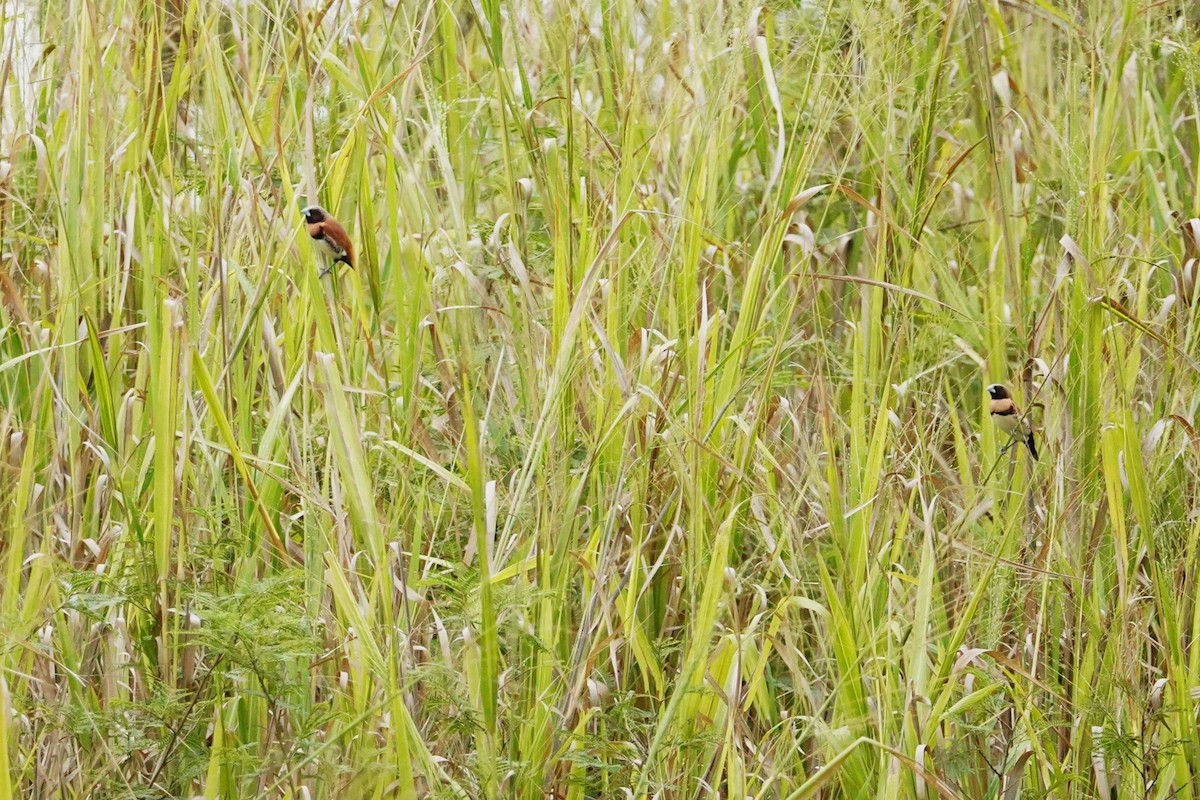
[
  {"x": 329, "y": 236},
  {"x": 1009, "y": 418}
]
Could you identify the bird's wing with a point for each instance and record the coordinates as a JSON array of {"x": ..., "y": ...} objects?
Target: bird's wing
[{"x": 336, "y": 235}]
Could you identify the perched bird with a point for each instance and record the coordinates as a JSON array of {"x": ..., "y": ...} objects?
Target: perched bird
[
  {"x": 329, "y": 236},
  {"x": 1009, "y": 418}
]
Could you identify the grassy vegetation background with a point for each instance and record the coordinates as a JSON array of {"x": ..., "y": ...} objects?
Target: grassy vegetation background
[{"x": 645, "y": 453}]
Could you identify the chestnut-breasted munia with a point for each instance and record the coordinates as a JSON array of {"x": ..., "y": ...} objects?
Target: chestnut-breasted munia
[
  {"x": 329, "y": 236},
  {"x": 1009, "y": 418}
]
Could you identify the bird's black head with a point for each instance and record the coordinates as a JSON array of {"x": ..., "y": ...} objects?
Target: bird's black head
[
  {"x": 313, "y": 214},
  {"x": 998, "y": 392}
]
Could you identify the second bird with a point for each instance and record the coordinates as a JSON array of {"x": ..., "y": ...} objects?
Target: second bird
[
  {"x": 1009, "y": 418},
  {"x": 329, "y": 236}
]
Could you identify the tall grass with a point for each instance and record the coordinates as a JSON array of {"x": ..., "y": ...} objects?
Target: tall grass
[{"x": 645, "y": 453}]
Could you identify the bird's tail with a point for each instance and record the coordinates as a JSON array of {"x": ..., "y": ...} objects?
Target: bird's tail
[{"x": 1032, "y": 449}]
